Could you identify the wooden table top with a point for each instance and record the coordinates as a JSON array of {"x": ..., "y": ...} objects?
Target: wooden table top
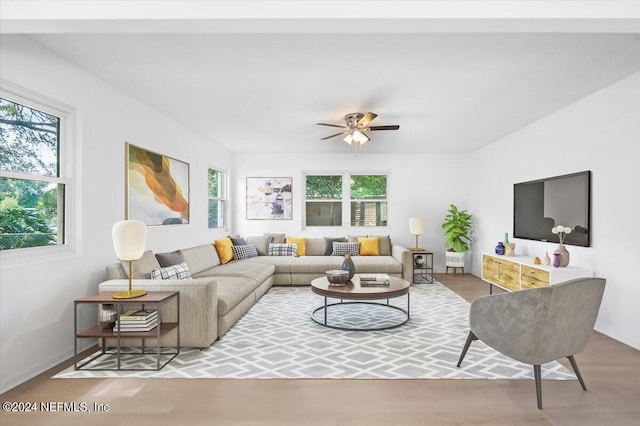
[
  {"x": 353, "y": 289},
  {"x": 107, "y": 297}
]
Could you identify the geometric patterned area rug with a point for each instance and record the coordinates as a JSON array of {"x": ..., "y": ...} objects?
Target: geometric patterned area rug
[{"x": 277, "y": 338}]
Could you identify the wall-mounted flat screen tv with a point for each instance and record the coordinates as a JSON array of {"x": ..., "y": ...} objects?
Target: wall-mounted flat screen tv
[{"x": 541, "y": 204}]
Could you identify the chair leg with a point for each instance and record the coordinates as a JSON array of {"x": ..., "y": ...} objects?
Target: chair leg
[
  {"x": 538, "y": 376},
  {"x": 470, "y": 338},
  {"x": 574, "y": 365}
]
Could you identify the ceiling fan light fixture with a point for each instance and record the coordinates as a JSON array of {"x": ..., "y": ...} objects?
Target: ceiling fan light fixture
[
  {"x": 349, "y": 138},
  {"x": 360, "y": 137}
]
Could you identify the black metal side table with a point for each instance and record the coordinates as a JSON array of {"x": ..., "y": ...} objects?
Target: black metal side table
[{"x": 422, "y": 266}]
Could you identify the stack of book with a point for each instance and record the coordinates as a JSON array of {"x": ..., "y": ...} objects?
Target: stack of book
[
  {"x": 138, "y": 320},
  {"x": 374, "y": 279}
]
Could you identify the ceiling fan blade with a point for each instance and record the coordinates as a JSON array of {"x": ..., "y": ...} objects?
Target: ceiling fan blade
[
  {"x": 393, "y": 127},
  {"x": 364, "y": 121},
  {"x": 330, "y": 125},
  {"x": 332, "y": 136}
]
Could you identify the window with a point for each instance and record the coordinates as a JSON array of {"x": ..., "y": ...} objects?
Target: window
[
  {"x": 217, "y": 201},
  {"x": 363, "y": 205},
  {"x": 368, "y": 200},
  {"x": 34, "y": 172},
  {"x": 324, "y": 200}
]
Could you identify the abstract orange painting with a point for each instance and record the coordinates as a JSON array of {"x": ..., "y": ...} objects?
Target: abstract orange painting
[{"x": 157, "y": 187}]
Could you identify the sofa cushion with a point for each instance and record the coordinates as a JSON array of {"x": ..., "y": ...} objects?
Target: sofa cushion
[
  {"x": 315, "y": 264},
  {"x": 225, "y": 252},
  {"x": 377, "y": 265},
  {"x": 328, "y": 244},
  {"x": 276, "y": 238},
  {"x": 244, "y": 252},
  {"x": 282, "y": 264},
  {"x": 174, "y": 272},
  {"x": 384, "y": 245},
  {"x": 231, "y": 291},
  {"x": 258, "y": 272},
  {"x": 369, "y": 246},
  {"x": 169, "y": 259},
  {"x": 283, "y": 249},
  {"x": 261, "y": 243},
  {"x": 142, "y": 267},
  {"x": 340, "y": 249},
  {"x": 200, "y": 258},
  {"x": 300, "y": 242}
]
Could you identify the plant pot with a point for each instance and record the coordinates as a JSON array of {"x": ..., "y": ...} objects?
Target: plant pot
[{"x": 455, "y": 259}]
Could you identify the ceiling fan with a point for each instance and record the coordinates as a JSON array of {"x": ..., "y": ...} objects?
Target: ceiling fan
[{"x": 356, "y": 126}]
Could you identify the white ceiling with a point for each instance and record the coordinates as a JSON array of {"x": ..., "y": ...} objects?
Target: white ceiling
[{"x": 264, "y": 91}]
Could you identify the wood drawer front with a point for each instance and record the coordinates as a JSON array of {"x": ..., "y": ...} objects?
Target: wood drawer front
[
  {"x": 510, "y": 280},
  {"x": 534, "y": 274},
  {"x": 490, "y": 269},
  {"x": 528, "y": 282}
]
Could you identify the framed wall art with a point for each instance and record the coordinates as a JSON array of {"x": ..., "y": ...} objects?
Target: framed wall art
[
  {"x": 157, "y": 187},
  {"x": 269, "y": 198}
]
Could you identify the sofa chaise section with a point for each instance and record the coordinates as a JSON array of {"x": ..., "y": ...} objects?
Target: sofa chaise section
[{"x": 198, "y": 309}]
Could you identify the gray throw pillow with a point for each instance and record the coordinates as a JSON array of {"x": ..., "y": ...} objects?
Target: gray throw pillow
[
  {"x": 237, "y": 241},
  {"x": 169, "y": 259},
  {"x": 328, "y": 244},
  {"x": 261, "y": 243},
  {"x": 276, "y": 238}
]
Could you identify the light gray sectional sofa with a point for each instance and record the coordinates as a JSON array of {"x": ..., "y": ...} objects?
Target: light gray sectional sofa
[{"x": 219, "y": 294}]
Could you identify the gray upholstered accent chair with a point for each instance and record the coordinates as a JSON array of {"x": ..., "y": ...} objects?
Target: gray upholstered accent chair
[{"x": 538, "y": 325}]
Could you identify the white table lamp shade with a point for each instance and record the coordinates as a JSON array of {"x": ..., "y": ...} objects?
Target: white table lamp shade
[
  {"x": 416, "y": 226},
  {"x": 129, "y": 239}
]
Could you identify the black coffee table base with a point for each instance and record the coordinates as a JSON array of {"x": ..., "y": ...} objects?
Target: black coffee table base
[{"x": 324, "y": 308}]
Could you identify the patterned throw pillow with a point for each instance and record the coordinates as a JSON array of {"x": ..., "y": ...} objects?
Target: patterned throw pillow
[
  {"x": 244, "y": 252},
  {"x": 283, "y": 249},
  {"x": 328, "y": 244},
  {"x": 340, "y": 249},
  {"x": 175, "y": 272}
]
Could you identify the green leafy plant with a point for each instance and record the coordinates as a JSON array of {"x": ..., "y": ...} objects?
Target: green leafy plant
[{"x": 457, "y": 229}]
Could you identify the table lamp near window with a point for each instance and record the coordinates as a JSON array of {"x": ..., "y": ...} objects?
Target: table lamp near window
[
  {"x": 129, "y": 241},
  {"x": 416, "y": 227}
]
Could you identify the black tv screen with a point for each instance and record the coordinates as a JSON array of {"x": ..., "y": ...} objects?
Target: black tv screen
[{"x": 540, "y": 205}]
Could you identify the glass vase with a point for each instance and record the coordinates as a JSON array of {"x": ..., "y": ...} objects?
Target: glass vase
[{"x": 348, "y": 265}]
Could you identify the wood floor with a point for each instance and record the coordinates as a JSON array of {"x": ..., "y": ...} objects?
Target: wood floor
[{"x": 611, "y": 371}]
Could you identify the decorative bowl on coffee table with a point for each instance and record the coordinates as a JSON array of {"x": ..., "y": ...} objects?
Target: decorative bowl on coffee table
[{"x": 337, "y": 277}]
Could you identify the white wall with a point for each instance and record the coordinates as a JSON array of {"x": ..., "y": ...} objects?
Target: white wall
[
  {"x": 36, "y": 300},
  {"x": 418, "y": 185},
  {"x": 600, "y": 133}
]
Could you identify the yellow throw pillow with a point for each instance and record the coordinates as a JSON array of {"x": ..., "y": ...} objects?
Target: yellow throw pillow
[
  {"x": 301, "y": 242},
  {"x": 369, "y": 246},
  {"x": 225, "y": 252}
]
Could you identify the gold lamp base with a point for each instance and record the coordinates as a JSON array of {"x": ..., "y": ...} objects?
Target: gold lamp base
[
  {"x": 417, "y": 249},
  {"x": 129, "y": 294}
]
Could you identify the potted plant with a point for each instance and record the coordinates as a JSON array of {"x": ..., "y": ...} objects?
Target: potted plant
[{"x": 457, "y": 228}]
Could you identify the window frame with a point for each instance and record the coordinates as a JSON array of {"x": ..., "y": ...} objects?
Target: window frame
[
  {"x": 328, "y": 200},
  {"x": 369, "y": 200},
  {"x": 68, "y": 170},
  {"x": 345, "y": 200},
  {"x": 223, "y": 199}
]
